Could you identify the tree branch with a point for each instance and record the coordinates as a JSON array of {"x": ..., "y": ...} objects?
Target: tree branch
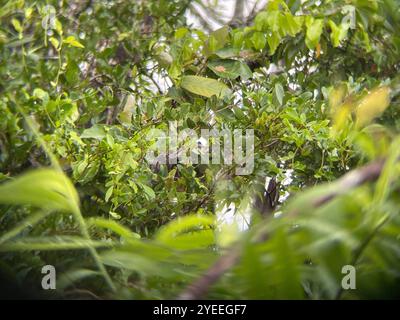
[{"x": 238, "y": 14}]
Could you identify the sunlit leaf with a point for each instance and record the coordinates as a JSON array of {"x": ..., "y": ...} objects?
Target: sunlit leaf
[
  {"x": 372, "y": 105},
  {"x": 43, "y": 188},
  {"x": 71, "y": 40},
  {"x": 206, "y": 87},
  {"x": 314, "y": 31}
]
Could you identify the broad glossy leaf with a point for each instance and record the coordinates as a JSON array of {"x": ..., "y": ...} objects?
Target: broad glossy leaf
[
  {"x": 205, "y": 87},
  {"x": 95, "y": 132}
]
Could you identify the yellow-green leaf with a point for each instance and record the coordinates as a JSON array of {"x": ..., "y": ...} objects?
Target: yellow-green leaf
[
  {"x": 54, "y": 42},
  {"x": 189, "y": 232},
  {"x": 314, "y": 30},
  {"x": 71, "y": 40},
  {"x": 17, "y": 25},
  {"x": 338, "y": 33},
  {"x": 43, "y": 188},
  {"x": 336, "y": 97},
  {"x": 372, "y": 105},
  {"x": 206, "y": 87}
]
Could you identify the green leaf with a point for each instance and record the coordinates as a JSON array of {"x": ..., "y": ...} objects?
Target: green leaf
[
  {"x": 43, "y": 188},
  {"x": 273, "y": 20},
  {"x": 17, "y": 25},
  {"x": 148, "y": 191},
  {"x": 206, "y": 87},
  {"x": 95, "y": 132},
  {"x": 237, "y": 41},
  {"x": 58, "y": 27},
  {"x": 287, "y": 272},
  {"x": 254, "y": 272},
  {"x": 109, "y": 193},
  {"x": 221, "y": 35},
  {"x": 164, "y": 59},
  {"x": 273, "y": 42},
  {"x": 261, "y": 21},
  {"x": 372, "y": 105},
  {"x": 217, "y": 40},
  {"x": 314, "y": 31},
  {"x": 279, "y": 93},
  {"x": 188, "y": 232},
  {"x": 389, "y": 173},
  {"x": 72, "y": 72},
  {"x": 291, "y": 25},
  {"x": 227, "y": 53},
  {"x": 71, "y": 40},
  {"x": 180, "y": 33},
  {"x": 258, "y": 40},
  {"x": 230, "y": 69},
  {"x": 135, "y": 262},
  {"x": 53, "y": 243},
  {"x": 42, "y": 95},
  {"x": 55, "y": 43},
  {"x": 338, "y": 33},
  {"x": 245, "y": 71},
  {"x": 113, "y": 226}
]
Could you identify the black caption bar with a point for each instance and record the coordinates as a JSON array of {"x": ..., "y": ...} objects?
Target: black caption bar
[{"x": 202, "y": 309}]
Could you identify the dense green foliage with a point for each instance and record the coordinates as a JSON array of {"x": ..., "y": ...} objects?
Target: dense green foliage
[{"x": 82, "y": 84}]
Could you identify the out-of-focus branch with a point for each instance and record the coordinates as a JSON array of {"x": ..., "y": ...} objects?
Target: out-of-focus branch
[
  {"x": 353, "y": 179},
  {"x": 349, "y": 181}
]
